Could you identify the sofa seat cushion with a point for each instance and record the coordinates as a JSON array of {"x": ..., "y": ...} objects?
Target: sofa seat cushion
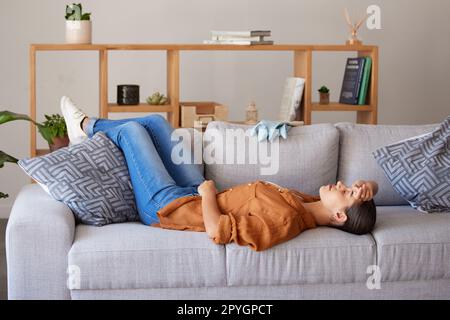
[
  {"x": 135, "y": 256},
  {"x": 321, "y": 255},
  {"x": 412, "y": 245},
  {"x": 358, "y": 141}
]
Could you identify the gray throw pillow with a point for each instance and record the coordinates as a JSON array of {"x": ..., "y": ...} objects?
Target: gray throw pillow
[
  {"x": 419, "y": 169},
  {"x": 91, "y": 178}
]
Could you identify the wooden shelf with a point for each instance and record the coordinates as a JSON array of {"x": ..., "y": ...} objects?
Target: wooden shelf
[
  {"x": 302, "y": 55},
  {"x": 202, "y": 47},
  {"x": 142, "y": 107},
  {"x": 336, "y": 106},
  {"x": 66, "y": 47}
]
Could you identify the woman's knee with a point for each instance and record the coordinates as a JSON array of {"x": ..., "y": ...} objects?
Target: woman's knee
[
  {"x": 132, "y": 127},
  {"x": 155, "y": 121}
]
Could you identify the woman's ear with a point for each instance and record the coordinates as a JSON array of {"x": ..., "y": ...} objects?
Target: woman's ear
[{"x": 338, "y": 218}]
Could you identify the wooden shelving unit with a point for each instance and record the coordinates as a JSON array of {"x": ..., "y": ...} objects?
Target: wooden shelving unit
[
  {"x": 143, "y": 107},
  {"x": 302, "y": 67}
]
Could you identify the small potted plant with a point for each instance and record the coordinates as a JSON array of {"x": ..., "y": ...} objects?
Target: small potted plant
[
  {"x": 157, "y": 99},
  {"x": 78, "y": 25},
  {"x": 54, "y": 131},
  {"x": 324, "y": 95}
]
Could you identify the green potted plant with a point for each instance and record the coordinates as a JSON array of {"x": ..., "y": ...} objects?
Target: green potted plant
[
  {"x": 4, "y": 157},
  {"x": 157, "y": 99},
  {"x": 324, "y": 93},
  {"x": 53, "y": 130},
  {"x": 78, "y": 25}
]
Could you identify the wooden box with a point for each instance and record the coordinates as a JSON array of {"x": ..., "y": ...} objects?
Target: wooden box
[{"x": 198, "y": 114}]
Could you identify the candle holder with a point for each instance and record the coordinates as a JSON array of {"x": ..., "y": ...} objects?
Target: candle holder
[{"x": 128, "y": 94}]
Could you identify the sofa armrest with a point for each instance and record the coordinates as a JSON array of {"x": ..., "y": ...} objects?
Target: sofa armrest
[{"x": 39, "y": 236}]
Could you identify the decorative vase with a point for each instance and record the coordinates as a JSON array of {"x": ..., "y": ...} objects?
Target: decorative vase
[
  {"x": 251, "y": 114},
  {"x": 58, "y": 143},
  {"x": 324, "y": 98},
  {"x": 127, "y": 94},
  {"x": 78, "y": 31},
  {"x": 354, "y": 42}
]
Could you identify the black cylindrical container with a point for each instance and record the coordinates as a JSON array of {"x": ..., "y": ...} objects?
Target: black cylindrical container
[{"x": 128, "y": 94}]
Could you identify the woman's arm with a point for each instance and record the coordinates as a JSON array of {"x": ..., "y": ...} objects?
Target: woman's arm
[
  {"x": 260, "y": 230},
  {"x": 210, "y": 209}
]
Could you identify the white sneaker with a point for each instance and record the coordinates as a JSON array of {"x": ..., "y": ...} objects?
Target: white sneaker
[{"x": 73, "y": 117}]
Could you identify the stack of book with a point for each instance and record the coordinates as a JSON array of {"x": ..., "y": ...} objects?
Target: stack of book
[
  {"x": 255, "y": 37},
  {"x": 356, "y": 81}
]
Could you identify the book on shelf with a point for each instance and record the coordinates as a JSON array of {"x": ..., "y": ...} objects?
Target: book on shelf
[
  {"x": 238, "y": 42},
  {"x": 352, "y": 81},
  {"x": 252, "y": 33},
  {"x": 222, "y": 38},
  {"x": 291, "y": 98},
  {"x": 365, "y": 81}
]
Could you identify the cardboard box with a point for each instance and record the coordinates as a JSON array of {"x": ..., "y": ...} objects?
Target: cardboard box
[{"x": 197, "y": 114}]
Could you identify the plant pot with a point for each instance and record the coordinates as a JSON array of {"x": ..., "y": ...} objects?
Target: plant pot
[
  {"x": 324, "y": 98},
  {"x": 58, "y": 143},
  {"x": 78, "y": 31}
]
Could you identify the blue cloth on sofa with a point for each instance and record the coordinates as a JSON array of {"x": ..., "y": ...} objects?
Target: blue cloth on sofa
[{"x": 269, "y": 130}]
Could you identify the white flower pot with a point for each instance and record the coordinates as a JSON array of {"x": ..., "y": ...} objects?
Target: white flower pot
[{"x": 79, "y": 32}]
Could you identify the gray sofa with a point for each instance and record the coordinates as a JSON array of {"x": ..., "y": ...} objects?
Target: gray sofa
[{"x": 407, "y": 256}]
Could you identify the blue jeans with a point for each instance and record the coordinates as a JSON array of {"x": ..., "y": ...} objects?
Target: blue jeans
[{"x": 147, "y": 146}]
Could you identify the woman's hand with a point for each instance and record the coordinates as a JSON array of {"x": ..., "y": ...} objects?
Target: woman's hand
[
  {"x": 207, "y": 188},
  {"x": 365, "y": 190}
]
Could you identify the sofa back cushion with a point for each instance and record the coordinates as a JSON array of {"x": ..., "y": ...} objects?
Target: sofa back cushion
[
  {"x": 305, "y": 161},
  {"x": 189, "y": 140},
  {"x": 358, "y": 141}
]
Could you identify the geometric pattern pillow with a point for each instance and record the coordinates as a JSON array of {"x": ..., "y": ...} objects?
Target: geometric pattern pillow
[
  {"x": 419, "y": 169},
  {"x": 91, "y": 178}
]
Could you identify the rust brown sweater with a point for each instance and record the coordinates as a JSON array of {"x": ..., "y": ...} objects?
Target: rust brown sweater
[{"x": 258, "y": 214}]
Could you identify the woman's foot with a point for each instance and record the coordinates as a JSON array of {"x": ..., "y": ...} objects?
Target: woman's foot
[{"x": 74, "y": 118}]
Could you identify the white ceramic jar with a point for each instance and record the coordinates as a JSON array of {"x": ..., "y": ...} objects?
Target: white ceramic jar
[{"x": 78, "y": 31}]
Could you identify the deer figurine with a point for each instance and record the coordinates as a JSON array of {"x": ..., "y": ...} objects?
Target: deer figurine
[{"x": 354, "y": 28}]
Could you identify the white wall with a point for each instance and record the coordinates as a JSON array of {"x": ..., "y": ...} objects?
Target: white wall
[{"x": 414, "y": 58}]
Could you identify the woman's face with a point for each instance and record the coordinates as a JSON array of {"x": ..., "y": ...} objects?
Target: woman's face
[{"x": 338, "y": 197}]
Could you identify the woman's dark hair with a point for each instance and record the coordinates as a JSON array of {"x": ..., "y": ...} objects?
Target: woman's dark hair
[{"x": 361, "y": 218}]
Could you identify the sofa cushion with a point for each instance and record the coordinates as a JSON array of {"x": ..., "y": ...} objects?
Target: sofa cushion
[
  {"x": 322, "y": 255},
  {"x": 419, "y": 169},
  {"x": 189, "y": 139},
  {"x": 135, "y": 256},
  {"x": 358, "y": 141},
  {"x": 412, "y": 245},
  {"x": 305, "y": 161},
  {"x": 91, "y": 178}
]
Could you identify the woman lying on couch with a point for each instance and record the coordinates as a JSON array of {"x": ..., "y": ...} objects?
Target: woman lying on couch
[{"x": 176, "y": 196}]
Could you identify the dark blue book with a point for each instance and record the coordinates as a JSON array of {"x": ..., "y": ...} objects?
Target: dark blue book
[{"x": 351, "y": 84}]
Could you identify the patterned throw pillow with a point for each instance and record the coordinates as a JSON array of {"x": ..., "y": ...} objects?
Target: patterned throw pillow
[
  {"x": 91, "y": 178},
  {"x": 419, "y": 169}
]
